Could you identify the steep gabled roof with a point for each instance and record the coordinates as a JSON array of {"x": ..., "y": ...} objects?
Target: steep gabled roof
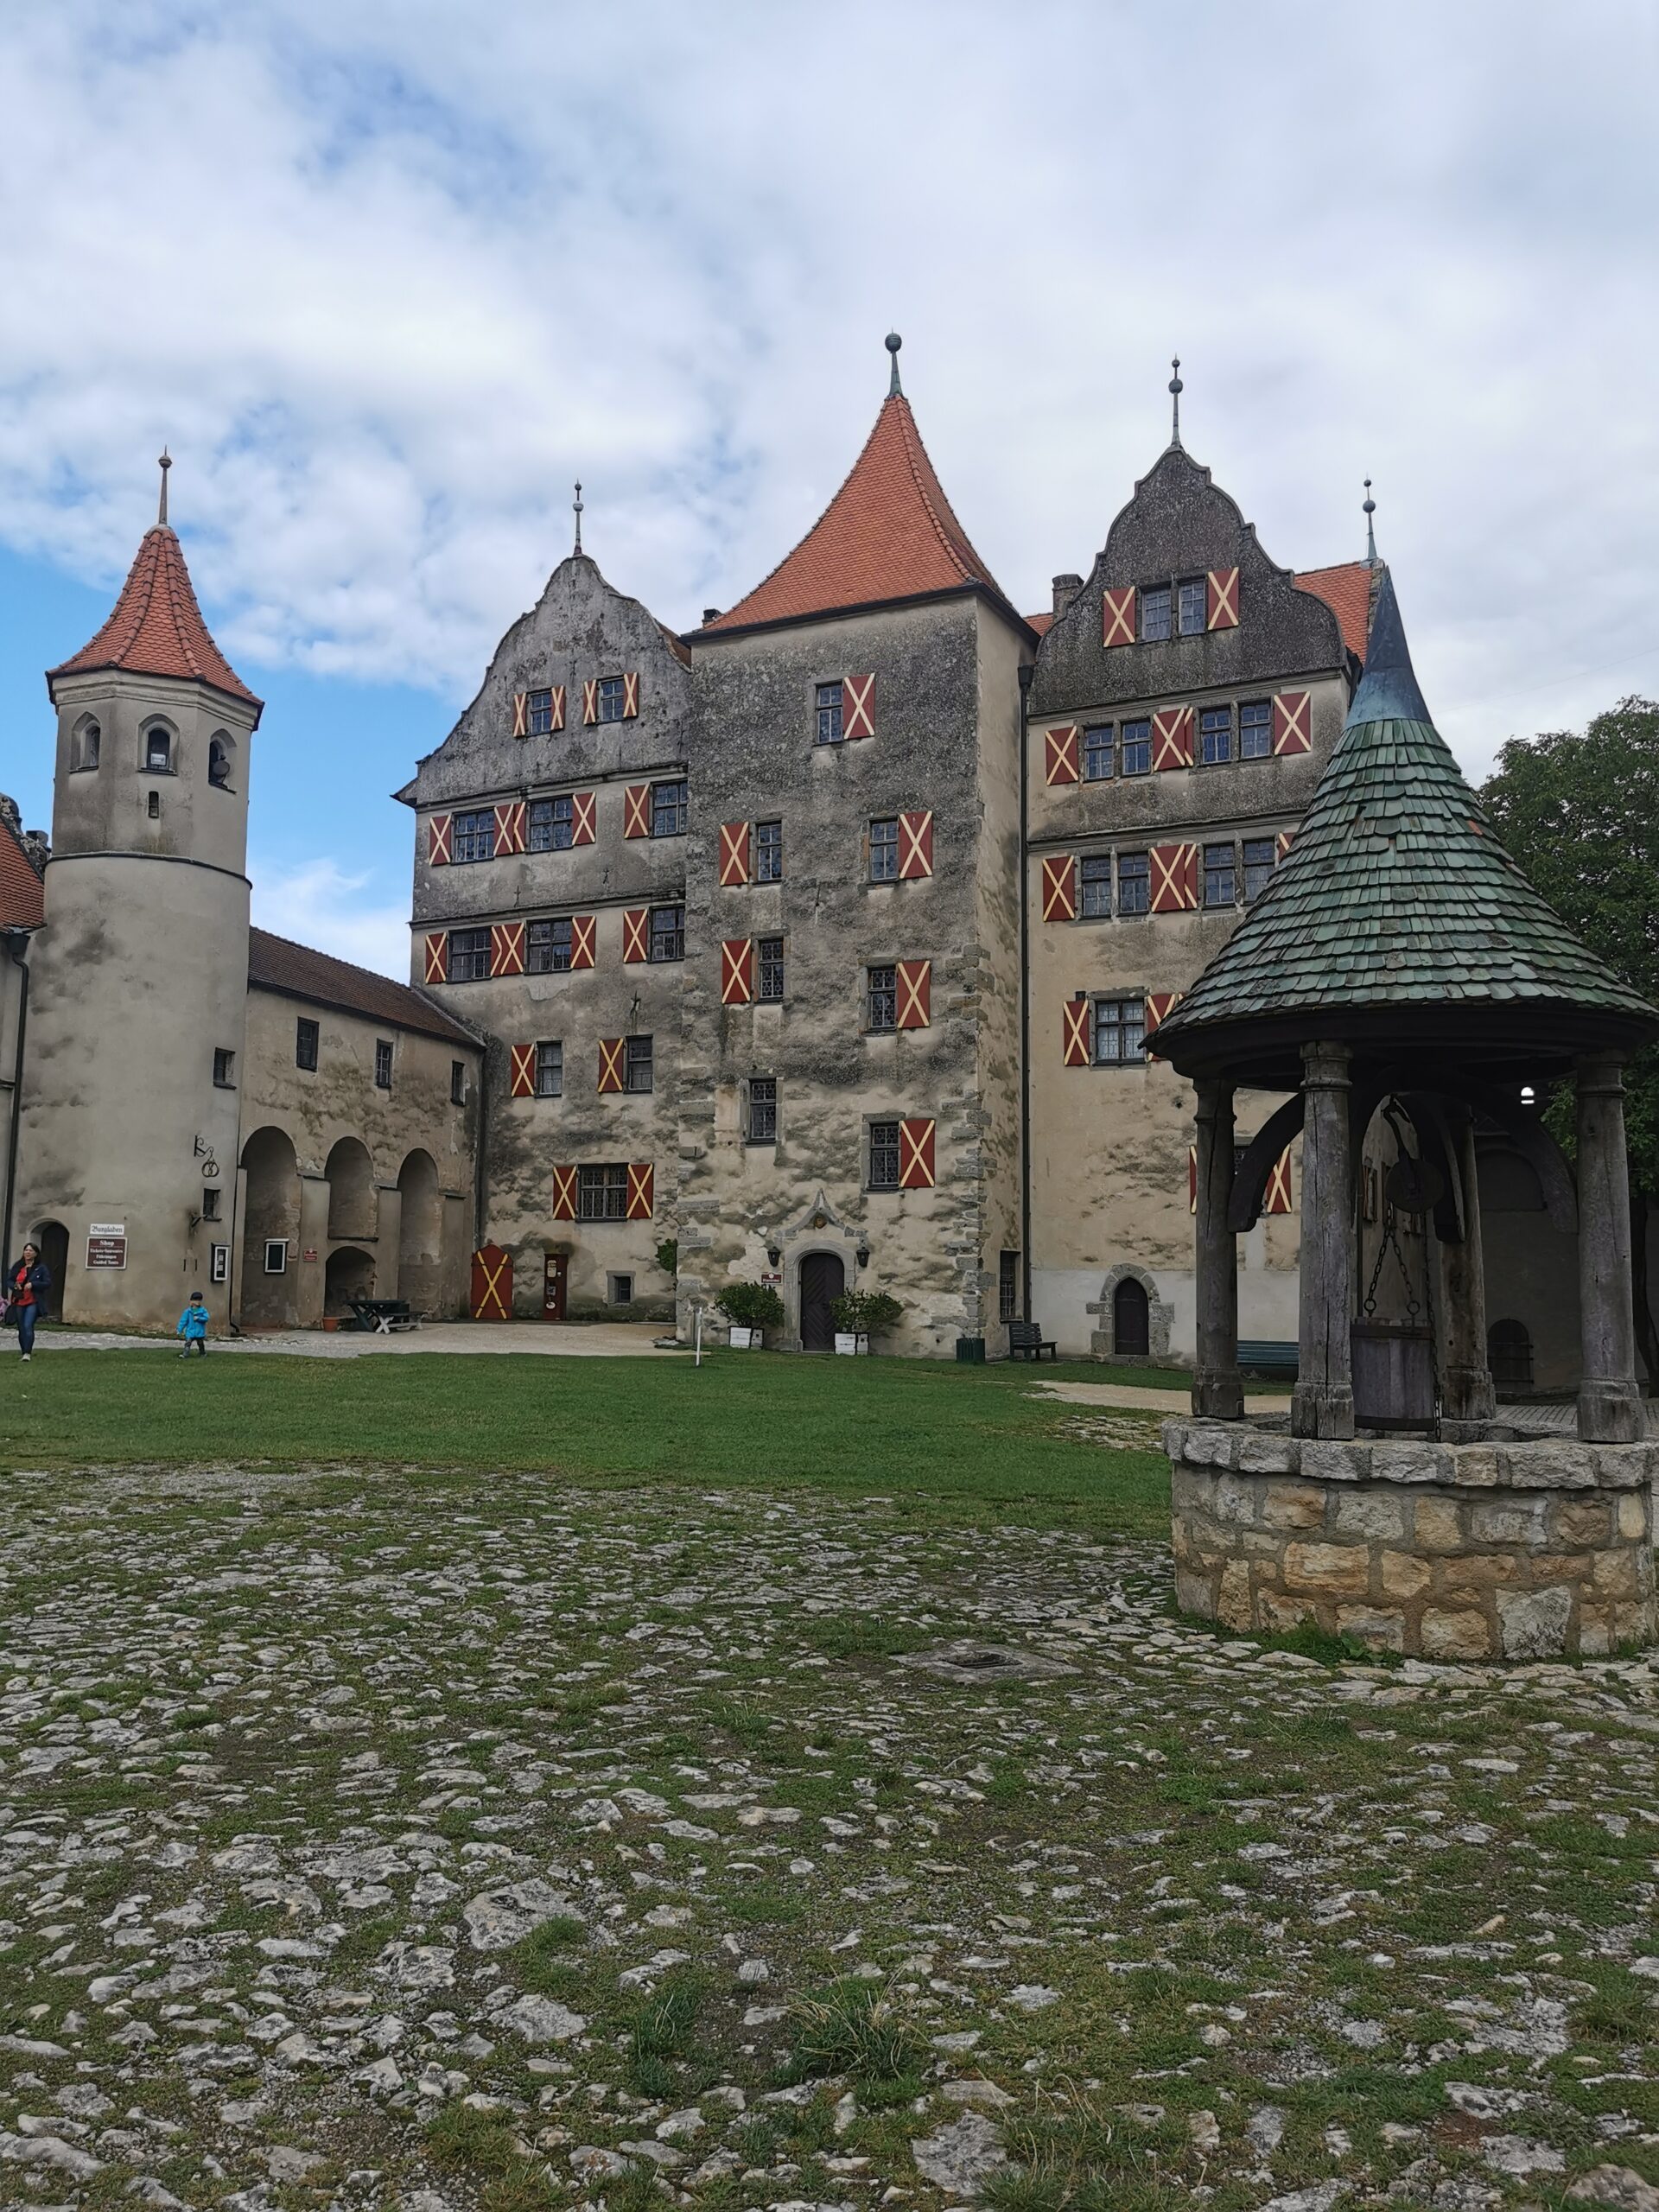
[
  {"x": 1346, "y": 590},
  {"x": 276, "y": 964},
  {"x": 156, "y": 627},
  {"x": 23, "y": 895},
  {"x": 889, "y": 533}
]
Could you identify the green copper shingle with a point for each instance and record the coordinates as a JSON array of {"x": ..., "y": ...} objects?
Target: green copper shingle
[{"x": 1396, "y": 891}]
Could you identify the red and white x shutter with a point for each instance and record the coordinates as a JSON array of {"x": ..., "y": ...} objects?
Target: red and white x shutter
[
  {"x": 915, "y": 1155},
  {"x": 522, "y": 1065},
  {"x": 1160, "y": 1005},
  {"x": 915, "y": 846},
  {"x": 1117, "y": 616},
  {"x": 734, "y": 852},
  {"x": 509, "y": 826},
  {"x": 1278, "y": 1198},
  {"x": 1060, "y": 754},
  {"x": 736, "y": 972},
  {"x": 437, "y": 840},
  {"x": 642, "y": 1180},
  {"x": 636, "y": 947},
  {"x": 636, "y": 810},
  {"x": 564, "y": 1194},
  {"x": 506, "y": 948},
  {"x": 610, "y": 1064},
  {"x": 858, "y": 706},
  {"x": 1191, "y": 1178},
  {"x": 1076, "y": 1023},
  {"x": 590, "y": 699},
  {"x": 437, "y": 957},
  {"x": 630, "y": 696},
  {"x": 1175, "y": 878},
  {"x": 557, "y": 694},
  {"x": 1292, "y": 722},
  {"x": 581, "y": 818},
  {"x": 1059, "y": 888},
  {"x": 1172, "y": 738},
  {"x": 914, "y": 979},
  {"x": 521, "y": 714},
  {"x": 583, "y": 929},
  {"x": 1221, "y": 599}
]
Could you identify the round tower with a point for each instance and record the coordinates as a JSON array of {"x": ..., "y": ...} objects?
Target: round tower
[{"x": 138, "y": 979}]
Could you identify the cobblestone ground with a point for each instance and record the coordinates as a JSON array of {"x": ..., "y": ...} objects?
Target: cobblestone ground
[{"x": 387, "y": 1839}]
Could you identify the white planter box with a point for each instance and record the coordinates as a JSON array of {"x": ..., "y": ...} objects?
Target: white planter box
[
  {"x": 746, "y": 1339},
  {"x": 849, "y": 1347}
]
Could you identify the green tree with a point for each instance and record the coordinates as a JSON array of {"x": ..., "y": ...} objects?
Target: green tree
[{"x": 1579, "y": 810}]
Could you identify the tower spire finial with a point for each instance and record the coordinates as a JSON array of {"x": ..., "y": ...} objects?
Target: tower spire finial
[
  {"x": 893, "y": 342},
  {"x": 576, "y": 509},
  {"x": 1369, "y": 510},
  {"x": 164, "y": 463},
  {"x": 1175, "y": 390}
]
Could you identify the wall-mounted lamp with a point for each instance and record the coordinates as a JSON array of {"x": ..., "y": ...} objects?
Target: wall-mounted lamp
[
  {"x": 773, "y": 1256},
  {"x": 863, "y": 1255}
]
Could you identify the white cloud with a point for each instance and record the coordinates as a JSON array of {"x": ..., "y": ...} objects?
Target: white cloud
[
  {"x": 320, "y": 903},
  {"x": 388, "y": 277}
]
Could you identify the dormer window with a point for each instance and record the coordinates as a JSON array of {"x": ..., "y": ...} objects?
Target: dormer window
[
  {"x": 219, "y": 764},
  {"x": 158, "y": 752},
  {"x": 1154, "y": 613},
  {"x": 1190, "y": 610},
  {"x": 88, "y": 739}
]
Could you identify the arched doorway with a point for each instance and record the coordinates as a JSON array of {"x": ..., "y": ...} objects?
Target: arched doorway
[
  {"x": 271, "y": 1242},
  {"x": 419, "y": 1234},
  {"x": 349, "y": 1275},
  {"x": 1131, "y": 1318},
  {"x": 1508, "y": 1354},
  {"x": 351, "y": 1205},
  {"x": 53, "y": 1238},
  {"x": 824, "y": 1278}
]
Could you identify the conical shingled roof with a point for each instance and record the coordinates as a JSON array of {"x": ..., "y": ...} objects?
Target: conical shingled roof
[
  {"x": 889, "y": 533},
  {"x": 156, "y": 627},
  {"x": 1397, "y": 896}
]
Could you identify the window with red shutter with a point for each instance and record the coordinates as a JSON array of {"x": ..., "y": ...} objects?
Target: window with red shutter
[
  {"x": 1293, "y": 729},
  {"x": 736, "y": 972},
  {"x": 437, "y": 840},
  {"x": 915, "y": 1155},
  {"x": 1059, "y": 888},
  {"x": 1118, "y": 615},
  {"x": 1220, "y": 594},
  {"x": 858, "y": 706},
  {"x": 1060, "y": 755},
  {"x": 1075, "y": 1045},
  {"x": 914, "y": 980},
  {"x": 733, "y": 853},
  {"x": 915, "y": 847}
]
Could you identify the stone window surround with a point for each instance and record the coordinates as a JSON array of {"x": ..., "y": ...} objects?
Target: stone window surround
[
  {"x": 1161, "y": 1317},
  {"x": 1141, "y": 841}
]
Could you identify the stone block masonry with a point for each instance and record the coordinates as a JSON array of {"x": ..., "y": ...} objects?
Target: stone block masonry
[{"x": 1476, "y": 1551}]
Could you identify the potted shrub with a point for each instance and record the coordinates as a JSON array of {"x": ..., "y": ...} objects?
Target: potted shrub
[
  {"x": 751, "y": 1308},
  {"x": 860, "y": 1314}
]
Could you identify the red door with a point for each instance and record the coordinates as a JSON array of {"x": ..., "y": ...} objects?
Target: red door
[
  {"x": 553, "y": 1280},
  {"x": 492, "y": 1284}
]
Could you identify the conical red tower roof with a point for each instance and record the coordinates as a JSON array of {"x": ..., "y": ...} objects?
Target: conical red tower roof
[
  {"x": 156, "y": 627},
  {"x": 888, "y": 533}
]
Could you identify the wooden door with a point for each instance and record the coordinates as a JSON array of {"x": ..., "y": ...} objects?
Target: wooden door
[
  {"x": 822, "y": 1280},
  {"x": 492, "y": 1284},
  {"x": 554, "y": 1275}
]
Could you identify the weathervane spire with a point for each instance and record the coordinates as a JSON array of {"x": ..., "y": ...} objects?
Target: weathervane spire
[
  {"x": 895, "y": 390},
  {"x": 1369, "y": 510},
  {"x": 1175, "y": 390},
  {"x": 164, "y": 463},
  {"x": 577, "y": 510}
]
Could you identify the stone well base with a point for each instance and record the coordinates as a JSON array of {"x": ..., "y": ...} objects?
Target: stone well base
[{"x": 1443, "y": 1551}]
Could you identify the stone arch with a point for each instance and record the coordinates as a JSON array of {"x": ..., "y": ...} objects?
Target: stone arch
[
  {"x": 270, "y": 1218},
  {"x": 352, "y": 1206},
  {"x": 51, "y": 1240},
  {"x": 420, "y": 1236},
  {"x": 349, "y": 1275},
  {"x": 1509, "y": 1355},
  {"x": 158, "y": 746},
  {"x": 221, "y": 760},
  {"x": 86, "y": 743},
  {"x": 1160, "y": 1315}
]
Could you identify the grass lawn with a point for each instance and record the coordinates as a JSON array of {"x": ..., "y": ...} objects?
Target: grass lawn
[{"x": 887, "y": 1426}]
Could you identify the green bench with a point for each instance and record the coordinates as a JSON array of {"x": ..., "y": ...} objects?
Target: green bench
[{"x": 1261, "y": 1355}]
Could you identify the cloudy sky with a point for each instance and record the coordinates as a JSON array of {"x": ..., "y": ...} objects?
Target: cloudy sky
[{"x": 387, "y": 274}]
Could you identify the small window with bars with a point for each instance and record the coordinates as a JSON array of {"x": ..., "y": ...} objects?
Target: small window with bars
[
  {"x": 552, "y": 824},
  {"x": 549, "y": 1069},
  {"x": 1098, "y": 748},
  {"x": 1260, "y": 858},
  {"x": 1215, "y": 735},
  {"x": 1133, "y": 883},
  {"x": 882, "y": 998},
  {"x": 829, "y": 710},
  {"x": 768, "y": 852},
  {"x": 602, "y": 1193},
  {"x": 457, "y": 1083},
  {"x": 1137, "y": 748},
  {"x": 1094, "y": 884},
  {"x": 1154, "y": 613},
  {"x": 307, "y": 1035},
  {"x": 668, "y": 810},
  {"x": 473, "y": 836},
  {"x": 610, "y": 699},
  {"x": 1190, "y": 611},
  {"x": 382, "y": 1064},
  {"x": 1008, "y": 1287},
  {"x": 538, "y": 712},
  {"x": 884, "y": 1156},
  {"x": 1220, "y": 875},
  {"x": 1256, "y": 730},
  {"x": 1120, "y": 1033},
  {"x": 769, "y": 968},
  {"x": 763, "y": 1110},
  {"x": 469, "y": 956},
  {"x": 884, "y": 851},
  {"x": 547, "y": 948},
  {"x": 668, "y": 933},
  {"x": 636, "y": 1065}
]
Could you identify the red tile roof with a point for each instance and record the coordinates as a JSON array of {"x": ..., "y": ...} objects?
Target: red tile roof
[
  {"x": 277, "y": 964},
  {"x": 1041, "y": 623},
  {"x": 888, "y": 533},
  {"x": 1346, "y": 590},
  {"x": 156, "y": 627},
  {"x": 23, "y": 895}
]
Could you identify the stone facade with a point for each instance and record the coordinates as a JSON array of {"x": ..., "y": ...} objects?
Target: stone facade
[{"x": 1507, "y": 1549}]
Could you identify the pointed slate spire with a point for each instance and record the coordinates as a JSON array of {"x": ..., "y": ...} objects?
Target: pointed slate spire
[{"x": 1388, "y": 690}]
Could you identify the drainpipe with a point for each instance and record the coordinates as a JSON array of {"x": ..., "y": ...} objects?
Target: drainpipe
[
  {"x": 479, "y": 1187},
  {"x": 17, "y": 946},
  {"x": 1027, "y": 672}
]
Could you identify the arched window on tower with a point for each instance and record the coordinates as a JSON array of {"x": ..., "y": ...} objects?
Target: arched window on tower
[
  {"x": 88, "y": 739},
  {"x": 219, "y": 762},
  {"x": 158, "y": 751}
]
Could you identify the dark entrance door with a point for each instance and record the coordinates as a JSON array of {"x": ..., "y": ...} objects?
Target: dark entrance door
[
  {"x": 553, "y": 1280},
  {"x": 1131, "y": 1318},
  {"x": 53, "y": 1240},
  {"x": 822, "y": 1281}
]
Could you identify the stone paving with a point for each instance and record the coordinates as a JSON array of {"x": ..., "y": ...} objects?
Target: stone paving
[
  {"x": 392, "y": 1839},
  {"x": 592, "y": 1340}
]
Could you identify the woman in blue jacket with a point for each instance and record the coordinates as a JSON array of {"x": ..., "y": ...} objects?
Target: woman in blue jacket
[{"x": 26, "y": 1288}]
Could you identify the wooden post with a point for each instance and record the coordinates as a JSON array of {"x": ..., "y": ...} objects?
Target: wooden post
[
  {"x": 1609, "y": 1404},
  {"x": 1217, "y": 1391},
  {"x": 1469, "y": 1393},
  {"x": 1323, "y": 1401}
]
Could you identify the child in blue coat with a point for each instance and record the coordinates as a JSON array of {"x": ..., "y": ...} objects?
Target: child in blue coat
[{"x": 192, "y": 1326}]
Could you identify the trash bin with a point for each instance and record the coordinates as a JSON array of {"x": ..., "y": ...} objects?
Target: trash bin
[{"x": 970, "y": 1351}]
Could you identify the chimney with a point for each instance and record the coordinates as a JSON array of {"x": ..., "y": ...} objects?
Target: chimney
[
  {"x": 710, "y": 614},
  {"x": 39, "y": 851},
  {"x": 1066, "y": 589}
]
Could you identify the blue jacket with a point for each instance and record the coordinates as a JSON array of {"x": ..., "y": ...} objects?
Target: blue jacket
[
  {"x": 192, "y": 1322},
  {"x": 39, "y": 1278}
]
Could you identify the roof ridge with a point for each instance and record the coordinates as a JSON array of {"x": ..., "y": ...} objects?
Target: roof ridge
[{"x": 921, "y": 461}]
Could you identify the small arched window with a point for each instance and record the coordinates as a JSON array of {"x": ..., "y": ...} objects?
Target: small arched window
[
  {"x": 219, "y": 762},
  {"x": 88, "y": 738},
  {"x": 1509, "y": 1355},
  {"x": 158, "y": 752}
]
